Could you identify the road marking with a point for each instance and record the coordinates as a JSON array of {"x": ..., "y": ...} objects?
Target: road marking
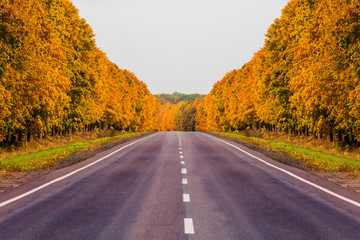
[
  {"x": 183, "y": 171},
  {"x": 186, "y": 197},
  {"x": 357, "y": 204},
  {"x": 182, "y": 162},
  {"x": 189, "y": 226},
  {"x": 67, "y": 175},
  {"x": 180, "y": 152},
  {"x": 184, "y": 181},
  {"x": 180, "y": 148},
  {"x": 181, "y": 156}
]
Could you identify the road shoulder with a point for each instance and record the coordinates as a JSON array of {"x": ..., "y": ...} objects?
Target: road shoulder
[
  {"x": 17, "y": 179},
  {"x": 342, "y": 179}
]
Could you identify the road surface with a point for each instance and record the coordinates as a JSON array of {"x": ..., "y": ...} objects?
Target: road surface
[{"x": 179, "y": 185}]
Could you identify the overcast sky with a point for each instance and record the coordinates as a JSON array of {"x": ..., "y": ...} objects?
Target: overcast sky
[{"x": 180, "y": 45}]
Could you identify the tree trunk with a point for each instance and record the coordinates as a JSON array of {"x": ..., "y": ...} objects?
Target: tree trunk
[
  {"x": 20, "y": 135},
  {"x": 28, "y": 137},
  {"x": 331, "y": 137},
  {"x": 13, "y": 139},
  {"x": 319, "y": 135},
  {"x": 339, "y": 135}
]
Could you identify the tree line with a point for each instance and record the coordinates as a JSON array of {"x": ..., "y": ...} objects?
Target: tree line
[
  {"x": 304, "y": 80},
  {"x": 55, "y": 80},
  {"x": 177, "y": 97}
]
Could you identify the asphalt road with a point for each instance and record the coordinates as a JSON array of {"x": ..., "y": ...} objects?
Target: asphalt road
[{"x": 179, "y": 186}]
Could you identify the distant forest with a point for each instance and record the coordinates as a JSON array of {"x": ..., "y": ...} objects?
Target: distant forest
[
  {"x": 178, "y": 111},
  {"x": 177, "y": 97}
]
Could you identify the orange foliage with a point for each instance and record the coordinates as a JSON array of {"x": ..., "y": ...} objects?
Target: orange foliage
[
  {"x": 179, "y": 117},
  {"x": 53, "y": 78},
  {"x": 305, "y": 79}
]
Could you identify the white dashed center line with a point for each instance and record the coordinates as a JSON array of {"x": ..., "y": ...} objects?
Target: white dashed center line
[
  {"x": 186, "y": 197},
  {"x": 189, "y": 226},
  {"x": 188, "y": 222}
]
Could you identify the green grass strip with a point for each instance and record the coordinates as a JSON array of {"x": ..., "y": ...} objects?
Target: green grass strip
[
  {"x": 315, "y": 160},
  {"x": 48, "y": 158}
]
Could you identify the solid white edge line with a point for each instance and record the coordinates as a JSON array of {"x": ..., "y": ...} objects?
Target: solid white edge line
[
  {"x": 186, "y": 197},
  {"x": 67, "y": 175},
  {"x": 188, "y": 226},
  {"x": 357, "y": 204}
]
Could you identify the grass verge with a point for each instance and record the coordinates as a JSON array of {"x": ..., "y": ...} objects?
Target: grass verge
[
  {"x": 314, "y": 160},
  {"x": 46, "y": 159}
]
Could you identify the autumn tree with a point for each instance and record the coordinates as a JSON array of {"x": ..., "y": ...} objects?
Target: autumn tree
[
  {"x": 304, "y": 80},
  {"x": 54, "y": 79}
]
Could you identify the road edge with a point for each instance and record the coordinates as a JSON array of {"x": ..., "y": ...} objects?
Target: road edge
[
  {"x": 340, "y": 179},
  {"x": 18, "y": 179}
]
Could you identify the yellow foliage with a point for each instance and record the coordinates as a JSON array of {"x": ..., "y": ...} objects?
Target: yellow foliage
[
  {"x": 54, "y": 78},
  {"x": 305, "y": 78}
]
